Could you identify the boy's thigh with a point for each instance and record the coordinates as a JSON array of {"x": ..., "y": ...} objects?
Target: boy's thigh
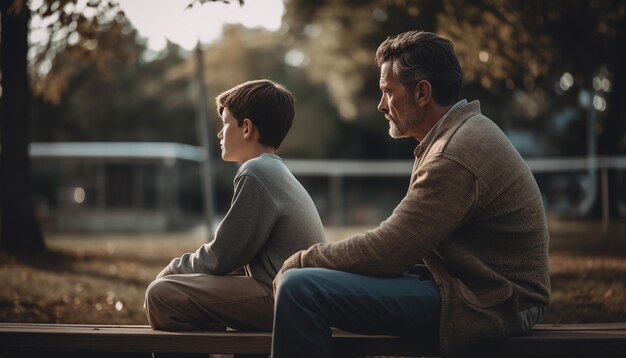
[
  {"x": 216, "y": 289},
  {"x": 240, "y": 302}
]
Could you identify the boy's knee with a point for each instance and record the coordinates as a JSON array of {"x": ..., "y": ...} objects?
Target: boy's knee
[
  {"x": 156, "y": 291},
  {"x": 155, "y": 302}
]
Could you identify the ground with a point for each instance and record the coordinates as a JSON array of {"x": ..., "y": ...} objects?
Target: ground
[{"x": 101, "y": 279}]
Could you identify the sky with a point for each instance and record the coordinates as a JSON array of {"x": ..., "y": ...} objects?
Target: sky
[
  {"x": 161, "y": 20},
  {"x": 157, "y": 21}
]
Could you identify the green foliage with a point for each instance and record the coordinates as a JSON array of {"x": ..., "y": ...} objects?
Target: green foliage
[
  {"x": 131, "y": 102},
  {"x": 513, "y": 54},
  {"x": 87, "y": 32}
]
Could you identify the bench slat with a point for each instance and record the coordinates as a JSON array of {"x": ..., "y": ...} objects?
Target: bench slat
[
  {"x": 581, "y": 327},
  {"x": 569, "y": 342},
  {"x": 580, "y": 340},
  {"x": 127, "y": 339}
]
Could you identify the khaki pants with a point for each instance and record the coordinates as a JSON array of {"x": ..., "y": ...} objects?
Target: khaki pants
[{"x": 191, "y": 302}]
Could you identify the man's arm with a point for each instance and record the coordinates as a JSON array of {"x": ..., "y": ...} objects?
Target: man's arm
[
  {"x": 442, "y": 196},
  {"x": 239, "y": 237}
]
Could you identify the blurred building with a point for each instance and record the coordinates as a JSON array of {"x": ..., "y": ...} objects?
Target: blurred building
[{"x": 105, "y": 187}]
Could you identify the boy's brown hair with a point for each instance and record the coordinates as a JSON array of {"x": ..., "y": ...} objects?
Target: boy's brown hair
[{"x": 269, "y": 105}]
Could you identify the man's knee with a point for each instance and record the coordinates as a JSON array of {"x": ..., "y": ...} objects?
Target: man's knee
[{"x": 298, "y": 285}]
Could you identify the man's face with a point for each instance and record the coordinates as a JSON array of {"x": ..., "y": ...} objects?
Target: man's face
[
  {"x": 231, "y": 138},
  {"x": 397, "y": 104}
]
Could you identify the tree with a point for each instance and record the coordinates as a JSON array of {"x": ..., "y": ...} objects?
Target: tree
[
  {"x": 505, "y": 48},
  {"x": 87, "y": 30},
  {"x": 19, "y": 229}
]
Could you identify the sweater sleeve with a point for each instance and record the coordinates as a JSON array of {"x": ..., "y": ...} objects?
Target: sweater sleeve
[
  {"x": 438, "y": 201},
  {"x": 240, "y": 236}
]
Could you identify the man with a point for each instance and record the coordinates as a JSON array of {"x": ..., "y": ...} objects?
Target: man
[
  {"x": 271, "y": 217},
  {"x": 472, "y": 219}
]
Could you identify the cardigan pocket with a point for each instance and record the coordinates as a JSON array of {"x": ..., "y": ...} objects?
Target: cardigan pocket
[{"x": 488, "y": 299}]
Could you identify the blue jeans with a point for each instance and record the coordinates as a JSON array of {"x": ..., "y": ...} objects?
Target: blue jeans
[{"x": 311, "y": 300}]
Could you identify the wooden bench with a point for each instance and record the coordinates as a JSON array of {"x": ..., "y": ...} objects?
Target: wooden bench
[{"x": 22, "y": 339}]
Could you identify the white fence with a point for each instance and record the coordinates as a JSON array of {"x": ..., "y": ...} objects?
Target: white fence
[
  {"x": 336, "y": 170},
  {"x": 595, "y": 168}
]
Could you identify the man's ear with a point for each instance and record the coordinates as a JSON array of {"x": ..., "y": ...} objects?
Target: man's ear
[
  {"x": 248, "y": 128},
  {"x": 423, "y": 93}
]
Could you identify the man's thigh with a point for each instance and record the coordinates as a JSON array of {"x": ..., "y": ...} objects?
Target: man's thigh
[
  {"x": 374, "y": 305},
  {"x": 240, "y": 302}
]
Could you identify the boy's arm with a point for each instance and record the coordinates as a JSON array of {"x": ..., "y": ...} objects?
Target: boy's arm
[{"x": 239, "y": 237}]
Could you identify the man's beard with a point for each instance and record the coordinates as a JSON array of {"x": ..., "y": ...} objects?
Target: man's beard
[
  {"x": 404, "y": 129},
  {"x": 396, "y": 130}
]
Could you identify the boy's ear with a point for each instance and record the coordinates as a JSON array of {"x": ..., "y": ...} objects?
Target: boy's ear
[{"x": 248, "y": 128}]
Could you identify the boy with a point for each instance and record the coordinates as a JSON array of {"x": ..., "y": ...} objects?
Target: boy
[{"x": 271, "y": 217}]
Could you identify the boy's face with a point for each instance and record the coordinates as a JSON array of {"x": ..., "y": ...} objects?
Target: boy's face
[{"x": 232, "y": 140}]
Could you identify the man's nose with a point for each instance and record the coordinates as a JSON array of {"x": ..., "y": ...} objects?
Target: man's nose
[
  {"x": 382, "y": 105},
  {"x": 220, "y": 134}
]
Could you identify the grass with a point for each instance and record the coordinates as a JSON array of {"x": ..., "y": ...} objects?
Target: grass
[
  {"x": 588, "y": 274},
  {"x": 101, "y": 279},
  {"x": 87, "y": 279}
]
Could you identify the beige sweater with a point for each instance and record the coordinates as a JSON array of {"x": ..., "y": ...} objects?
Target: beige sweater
[{"x": 474, "y": 215}]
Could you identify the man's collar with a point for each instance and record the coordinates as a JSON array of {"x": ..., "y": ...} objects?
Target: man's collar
[{"x": 424, "y": 143}]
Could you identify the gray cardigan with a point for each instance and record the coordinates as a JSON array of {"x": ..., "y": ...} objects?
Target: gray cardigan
[
  {"x": 271, "y": 217},
  {"x": 474, "y": 215}
]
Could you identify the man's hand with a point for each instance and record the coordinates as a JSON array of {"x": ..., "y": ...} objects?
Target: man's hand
[
  {"x": 292, "y": 261},
  {"x": 276, "y": 281}
]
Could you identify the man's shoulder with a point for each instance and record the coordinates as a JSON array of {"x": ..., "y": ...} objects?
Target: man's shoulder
[
  {"x": 476, "y": 128},
  {"x": 473, "y": 133},
  {"x": 476, "y": 133},
  {"x": 478, "y": 145},
  {"x": 481, "y": 147}
]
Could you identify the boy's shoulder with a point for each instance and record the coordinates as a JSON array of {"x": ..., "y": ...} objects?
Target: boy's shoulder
[{"x": 262, "y": 166}]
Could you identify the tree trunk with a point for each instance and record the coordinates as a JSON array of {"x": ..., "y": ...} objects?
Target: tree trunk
[{"x": 19, "y": 229}]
